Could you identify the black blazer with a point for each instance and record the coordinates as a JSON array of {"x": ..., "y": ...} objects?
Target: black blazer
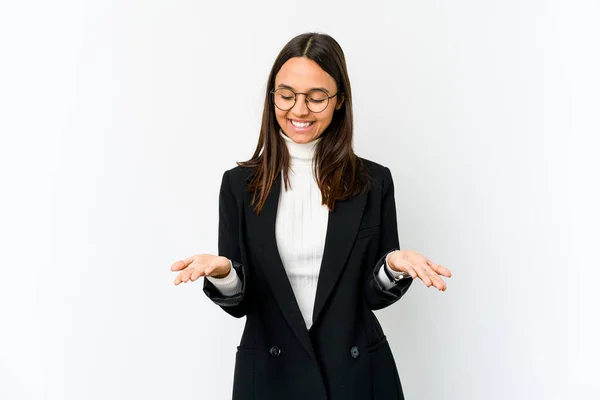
[{"x": 345, "y": 354}]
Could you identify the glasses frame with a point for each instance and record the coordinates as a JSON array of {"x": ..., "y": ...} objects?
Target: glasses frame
[{"x": 305, "y": 99}]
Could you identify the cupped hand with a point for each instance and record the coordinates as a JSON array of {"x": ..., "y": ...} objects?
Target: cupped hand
[
  {"x": 199, "y": 265},
  {"x": 417, "y": 265}
]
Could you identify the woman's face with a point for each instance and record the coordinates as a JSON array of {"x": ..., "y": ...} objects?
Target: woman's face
[{"x": 301, "y": 75}]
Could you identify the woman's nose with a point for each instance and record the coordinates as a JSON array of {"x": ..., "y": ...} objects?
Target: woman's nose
[{"x": 300, "y": 108}]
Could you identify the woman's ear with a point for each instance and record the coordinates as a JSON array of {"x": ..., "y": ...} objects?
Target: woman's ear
[{"x": 340, "y": 102}]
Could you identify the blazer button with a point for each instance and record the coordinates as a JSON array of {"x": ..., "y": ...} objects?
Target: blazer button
[
  {"x": 354, "y": 352},
  {"x": 275, "y": 351}
]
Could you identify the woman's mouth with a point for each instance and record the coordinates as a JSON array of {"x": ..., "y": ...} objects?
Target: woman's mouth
[{"x": 301, "y": 126}]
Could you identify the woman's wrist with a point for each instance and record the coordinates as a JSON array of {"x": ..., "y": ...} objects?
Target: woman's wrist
[
  {"x": 391, "y": 272},
  {"x": 227, "y": 267}
]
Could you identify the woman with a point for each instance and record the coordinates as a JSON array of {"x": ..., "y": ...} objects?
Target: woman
[{"x": 308, "y": 244}]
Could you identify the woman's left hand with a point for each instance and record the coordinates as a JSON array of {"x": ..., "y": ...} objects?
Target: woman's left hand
[{"x": 416, "y": 264}]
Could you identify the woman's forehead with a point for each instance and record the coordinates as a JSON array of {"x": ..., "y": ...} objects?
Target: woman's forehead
[{"x": 300, "y": 74}]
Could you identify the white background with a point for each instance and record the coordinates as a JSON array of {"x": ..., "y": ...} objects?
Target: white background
[{"x": 117, "y": 120}]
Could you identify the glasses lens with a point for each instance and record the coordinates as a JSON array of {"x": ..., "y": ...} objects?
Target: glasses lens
[
  {"x": 317, "y": 100},
  {"x": 284, "y": 99}
]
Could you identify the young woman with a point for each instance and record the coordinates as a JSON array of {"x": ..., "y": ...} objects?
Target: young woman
[{"x": 308, "y": 244}]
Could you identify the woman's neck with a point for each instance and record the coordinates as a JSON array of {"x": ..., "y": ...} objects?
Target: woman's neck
[{"x": 300, "y": 153}]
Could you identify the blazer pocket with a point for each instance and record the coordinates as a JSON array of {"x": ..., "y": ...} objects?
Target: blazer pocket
[
  {"x": 366, "y": 232},
  {"x": 384, "y": 374},
  {"x": 374, "y": 347}
]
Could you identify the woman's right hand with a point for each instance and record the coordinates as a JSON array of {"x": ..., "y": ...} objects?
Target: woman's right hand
[{"x": 199, "y": 265}]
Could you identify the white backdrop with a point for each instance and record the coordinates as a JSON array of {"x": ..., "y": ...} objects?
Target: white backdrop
[{"x": 119, "y": 118}]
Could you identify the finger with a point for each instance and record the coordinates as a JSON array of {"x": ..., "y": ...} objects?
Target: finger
[
  {"x": 440, "y": 269},
  {"x": 181, "y": 264},
  {"x": 446, "y": 271},
  {"x": 423, "y": 274},
  {"x": 177, "y": 280},
  {"x": 435, "y": 279},
  {"x": 196, "y": 274},
  {"x": 185, "y": 275},
  {"x": 438, "y": 282},
  {"x": 177, "y": 265}
]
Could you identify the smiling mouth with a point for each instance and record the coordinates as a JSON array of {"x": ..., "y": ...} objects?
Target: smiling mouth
[{"x": 302, "y": 124}]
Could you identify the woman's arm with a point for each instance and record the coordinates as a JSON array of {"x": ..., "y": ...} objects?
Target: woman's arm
[
  {"x": 379, "y": 296},
  {"x": 236, "y": 304}
]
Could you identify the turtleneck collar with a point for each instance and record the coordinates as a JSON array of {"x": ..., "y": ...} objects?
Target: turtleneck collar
[{"x": 300, "y": 153}]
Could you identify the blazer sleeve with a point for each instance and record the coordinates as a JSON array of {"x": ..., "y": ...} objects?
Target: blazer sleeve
[
  {"x": 377, "y": 295},
  {"x": 229, "y": 246}
]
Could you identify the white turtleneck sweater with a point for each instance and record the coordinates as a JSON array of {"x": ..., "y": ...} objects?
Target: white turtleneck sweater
[{"x": 300, "y": 229}]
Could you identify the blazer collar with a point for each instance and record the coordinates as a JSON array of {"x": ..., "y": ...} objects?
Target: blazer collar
[{"x": 342, "y": 226}]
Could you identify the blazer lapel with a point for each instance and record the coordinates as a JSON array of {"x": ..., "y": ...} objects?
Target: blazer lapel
[{"x": 342, "y": 227}]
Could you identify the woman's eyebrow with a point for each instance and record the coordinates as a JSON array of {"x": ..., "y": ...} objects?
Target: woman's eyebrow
[{"x": 283, "y": 85}]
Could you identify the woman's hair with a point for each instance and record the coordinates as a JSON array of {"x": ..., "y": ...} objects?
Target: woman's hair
[{"x": 339, "y": 172}]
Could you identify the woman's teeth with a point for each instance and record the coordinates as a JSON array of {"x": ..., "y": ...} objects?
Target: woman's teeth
[{"x": 301, "y": 124}]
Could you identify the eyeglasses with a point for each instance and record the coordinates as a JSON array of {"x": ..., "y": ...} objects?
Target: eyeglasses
[{"x": 316, "y": 100}]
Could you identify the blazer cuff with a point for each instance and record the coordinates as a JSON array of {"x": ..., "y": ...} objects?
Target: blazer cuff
[
  {"x": 387, "y": 276},
  {"x": 398, "y": 286},
  {"x": 211, "y": 290}
]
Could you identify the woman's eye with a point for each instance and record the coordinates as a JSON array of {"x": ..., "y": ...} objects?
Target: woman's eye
[{"x": 316, "y": 101}]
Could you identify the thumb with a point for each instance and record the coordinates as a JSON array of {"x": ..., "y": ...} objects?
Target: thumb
[{"x": 182, "y": 264}]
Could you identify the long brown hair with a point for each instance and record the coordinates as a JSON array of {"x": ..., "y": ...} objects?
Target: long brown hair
[{"x": 339, "y": 172}]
